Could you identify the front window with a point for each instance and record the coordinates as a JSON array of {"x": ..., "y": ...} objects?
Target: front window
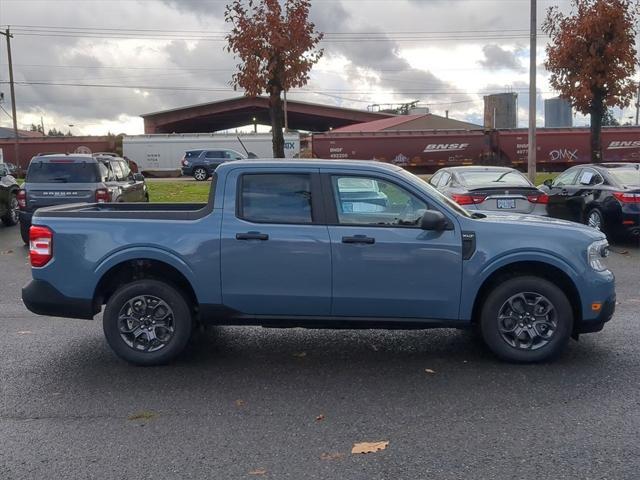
[
  {"x": 566, "y": 178},
  {"x": 375, "y": 202},
  {"x": 276, "y": 198}
]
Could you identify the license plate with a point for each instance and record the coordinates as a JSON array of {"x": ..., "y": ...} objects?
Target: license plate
[{"x": 506, "y": 203}]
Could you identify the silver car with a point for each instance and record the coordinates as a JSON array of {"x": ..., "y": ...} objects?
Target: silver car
[{"x": 491, "y": 189}]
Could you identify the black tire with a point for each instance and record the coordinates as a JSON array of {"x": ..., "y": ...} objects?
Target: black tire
[
  {"x": 546, "y": 348},
  {"x": 200, "y": 174},
  {"x": 11, "y": 217},
  {"x": 181, "y": 320},
  {"x": 595, "y": 219},
  {"x": 24, "y": 232}
]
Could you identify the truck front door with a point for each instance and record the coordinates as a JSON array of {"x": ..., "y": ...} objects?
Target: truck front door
[
  {"x": 276, "y": 255},
  {"x": 384, "y": 265}
]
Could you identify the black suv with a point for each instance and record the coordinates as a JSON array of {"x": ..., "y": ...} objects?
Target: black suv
[
  {"x": 58, "y": 179},
  {"x": 8, "y": 197},
  {"x": 202, "y": 163}
]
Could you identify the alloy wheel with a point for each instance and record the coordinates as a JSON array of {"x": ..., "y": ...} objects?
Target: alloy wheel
[
  {"x": 527, "y": 321},
  {"x": 13, "y": 209},
  {"x": 146, "y": 323},
  {"x": 200, "y": 174},
  {"x": 594, "y": 220}
]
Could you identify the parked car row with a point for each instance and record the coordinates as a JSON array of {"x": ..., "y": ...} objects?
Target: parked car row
[
  {"x": 604, "y": 196},
  {"x": 63, "y": 179}
]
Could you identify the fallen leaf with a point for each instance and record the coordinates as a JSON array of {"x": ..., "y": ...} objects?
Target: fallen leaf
[
  {"x": 332, "y": 456},
  {"x": 258, "y": 471},
  {"x": 25, "y": 332},
  {"x": 428, "y": 370},
  {"x": 142, "y": 416},
  {"x": 240, "y": 403},
  {"x": 369, "y": 447},
  {"x": 319, "y": 418},
  {"x": 300, "y": 354},
  {"x": 6, "y": 252}
]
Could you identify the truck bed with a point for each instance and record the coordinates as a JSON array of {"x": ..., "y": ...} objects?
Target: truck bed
[{"x": 160, "y": 211}]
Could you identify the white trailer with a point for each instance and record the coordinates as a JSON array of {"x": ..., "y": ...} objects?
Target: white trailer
[{"x": 162, "y": 153}]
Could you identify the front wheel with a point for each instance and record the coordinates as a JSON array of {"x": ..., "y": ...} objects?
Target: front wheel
[
  {"x": 11, "y": 217},
  {"x": 526, "y": 319},
  {"x": 147, "y": 322},
  {"x": 200, "y": 174}
]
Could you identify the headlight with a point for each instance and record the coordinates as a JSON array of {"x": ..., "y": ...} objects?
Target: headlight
[{"x": 596, "y": 252}]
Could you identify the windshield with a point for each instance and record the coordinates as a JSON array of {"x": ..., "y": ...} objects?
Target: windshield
[
  {"x": 62, "y": 172},
  {"x": 435, "y": 193},
  {"x": 629, "y": 176},
  {"x": 480, "y": 178}
]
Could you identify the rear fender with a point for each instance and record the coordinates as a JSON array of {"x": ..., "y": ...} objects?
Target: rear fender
[{"x": 146, "y": 253}]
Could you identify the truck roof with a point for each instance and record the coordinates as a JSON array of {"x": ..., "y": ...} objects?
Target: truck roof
[{"x": 312, "y": 162}]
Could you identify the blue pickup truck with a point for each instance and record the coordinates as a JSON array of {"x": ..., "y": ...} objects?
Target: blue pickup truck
[{"x": 318, "y": 244}]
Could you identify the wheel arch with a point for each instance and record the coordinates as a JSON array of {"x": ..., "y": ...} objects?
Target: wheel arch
[
  {"x": 536, "y": 268},
  {"x": 130, "y": 270}
]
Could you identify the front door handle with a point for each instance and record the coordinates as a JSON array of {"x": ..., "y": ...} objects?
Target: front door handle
[
  {"x": 359, "y": 239},
  {"x": 252, "y": 236}
]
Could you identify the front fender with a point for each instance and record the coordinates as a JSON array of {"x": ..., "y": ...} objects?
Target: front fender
[{"x": 476, "y": 272}]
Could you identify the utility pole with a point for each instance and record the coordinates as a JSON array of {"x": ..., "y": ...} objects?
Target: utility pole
[
  {"x": 531, "y": 163},
  {"x": 638, "y": 106},
  {"x": 7, "y": 34}
]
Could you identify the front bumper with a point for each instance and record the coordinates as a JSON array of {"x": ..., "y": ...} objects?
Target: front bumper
[
  {"x": 42, "y": 298},
  {"x": 597, "y": 324}
]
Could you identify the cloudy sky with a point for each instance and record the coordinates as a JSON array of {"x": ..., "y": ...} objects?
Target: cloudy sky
[{"x": 98, "y": 64}]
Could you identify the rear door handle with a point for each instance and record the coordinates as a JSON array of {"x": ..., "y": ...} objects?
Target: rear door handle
[
  {"x": 359, "y": 239},
  {"x": 252, "y": 236}
]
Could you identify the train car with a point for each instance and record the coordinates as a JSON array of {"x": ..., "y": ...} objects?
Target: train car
[
  {"x": 416, "y": 150},
  {"x": 428, "y": 150},
  {"x": 558, "y": 148}
]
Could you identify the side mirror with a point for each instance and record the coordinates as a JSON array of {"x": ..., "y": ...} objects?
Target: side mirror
[
  {"x": 548, "y": 182},
  {"x": 138, "y": 177},
  {"x": 434, "y": 220}
]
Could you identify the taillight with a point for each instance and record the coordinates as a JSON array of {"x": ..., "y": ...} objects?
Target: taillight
[
  {"x": 625, "y": 197},
  {"x": 22, "y": 198},
  {"x": 468, "y": 199},
  {"x": 40, "y": 245},
  {"x": 185, "y": 162},
  {"x": 543, "y": 198},
  {"x": 102, "y": 195}
]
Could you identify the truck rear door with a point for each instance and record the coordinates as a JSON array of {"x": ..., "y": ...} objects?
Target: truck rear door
[
  {"x": 276, "y": 255},
  {"x": 384, "y": 265}
]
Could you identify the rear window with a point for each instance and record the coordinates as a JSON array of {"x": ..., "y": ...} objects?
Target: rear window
[
  {"x": 626, "y": 176},
  {"x": 62, "y": 172},
  {"x": 493, "y": 178},
  {"x": 192, "y": 154},
  {"x": 276, "y": 198}
]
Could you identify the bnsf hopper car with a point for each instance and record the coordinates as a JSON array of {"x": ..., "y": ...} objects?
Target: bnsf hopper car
[{"x": 430, "y": 150}]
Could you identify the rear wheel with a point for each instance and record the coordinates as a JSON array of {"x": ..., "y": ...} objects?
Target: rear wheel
[
  {"x": 526, "y": 319},
  {"x": 11, "y": 217},
  {"x": 200, "y": 174},
  {"x": 147, "y": 322},
  {"x": 595, "y": 219}
]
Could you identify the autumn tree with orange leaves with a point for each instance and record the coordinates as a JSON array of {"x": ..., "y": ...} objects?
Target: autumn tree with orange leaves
[
  {"x": 592, "y": 57},
  {"x": 277, "y": 47}
]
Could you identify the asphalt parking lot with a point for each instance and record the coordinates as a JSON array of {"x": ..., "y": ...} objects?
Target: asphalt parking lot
[{"x": 248, "y": 402}]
